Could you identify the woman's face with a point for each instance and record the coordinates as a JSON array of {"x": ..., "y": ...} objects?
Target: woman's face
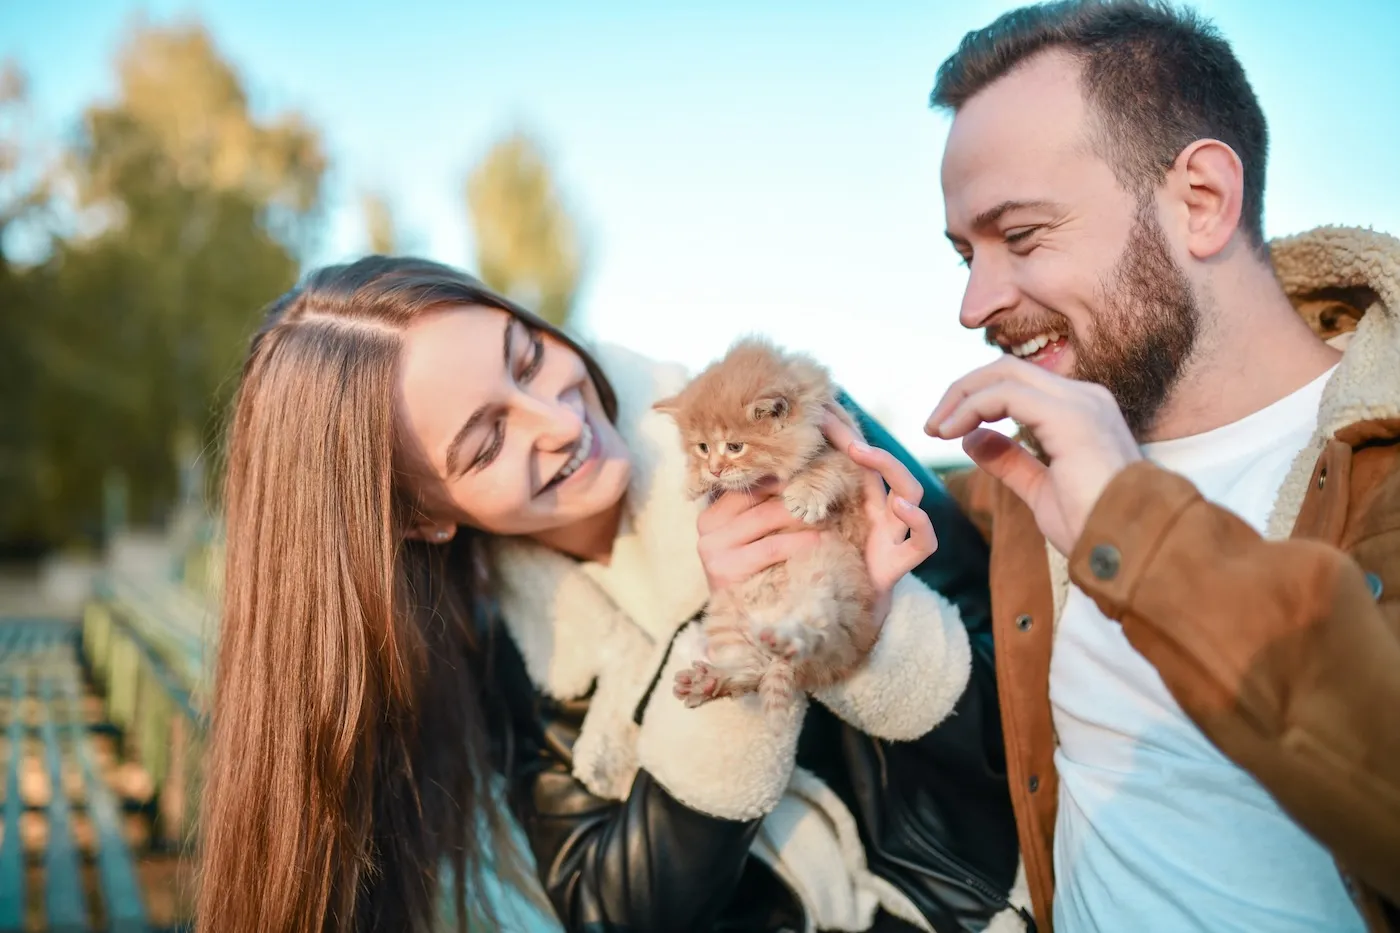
[{"x": 506, "y": 432}]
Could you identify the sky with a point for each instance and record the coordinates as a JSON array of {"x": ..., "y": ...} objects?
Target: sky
[{"x": 736, "y": 167}]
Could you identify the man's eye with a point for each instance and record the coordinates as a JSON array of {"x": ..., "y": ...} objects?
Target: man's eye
[{"x": 1017, "y": 236}]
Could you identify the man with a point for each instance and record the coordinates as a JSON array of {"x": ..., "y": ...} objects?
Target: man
[{"x": 1199, "y": 676}]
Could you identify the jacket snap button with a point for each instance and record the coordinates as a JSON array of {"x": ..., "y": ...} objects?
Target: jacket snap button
[
  {"x": 1322, "y": 478},
  {"x": 1103, "y": 561},
  {"x": 1377, "y": 587},
  {"x": 1034, "y": 783},
  {"x": 1024, "y": 623}
]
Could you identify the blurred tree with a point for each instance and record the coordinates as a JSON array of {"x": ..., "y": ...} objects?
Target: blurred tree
[
  {"x": 527, "y": 244},
  {"x": 379, "y": 223},
  {"x": 191, "y": 214},
  {"x": 22, "y": 192}
]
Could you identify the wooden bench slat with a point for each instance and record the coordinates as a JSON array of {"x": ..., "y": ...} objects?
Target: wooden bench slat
[
  {"x": 126, "y": 911},
  {"x": 12, "y": 848},
  {"x": 8, "y": 640},
  {"x": 64, "y": 902}
]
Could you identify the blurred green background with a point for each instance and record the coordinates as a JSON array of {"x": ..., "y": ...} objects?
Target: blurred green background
[{"x": 172, "y": 215}]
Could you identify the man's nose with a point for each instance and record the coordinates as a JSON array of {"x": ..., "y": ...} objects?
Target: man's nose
[{"x": 989, "y": 291}]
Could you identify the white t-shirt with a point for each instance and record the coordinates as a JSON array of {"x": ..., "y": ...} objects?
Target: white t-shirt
[{"x": 1157, "y": 830}]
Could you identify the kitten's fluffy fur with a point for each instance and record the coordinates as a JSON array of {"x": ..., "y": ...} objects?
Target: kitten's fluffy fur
[{"x": 756, "y": 414}]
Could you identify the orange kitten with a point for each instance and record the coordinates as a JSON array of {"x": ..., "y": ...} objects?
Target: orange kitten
[{"x": 756, "y": 415}]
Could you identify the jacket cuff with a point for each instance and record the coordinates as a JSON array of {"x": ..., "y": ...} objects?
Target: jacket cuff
[
  {"x": 1127, "y": 526},
  {"x": 724, "y": 758},
  {"x": 915, "y": 673}
]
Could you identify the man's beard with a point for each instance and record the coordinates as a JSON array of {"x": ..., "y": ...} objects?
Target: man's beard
[{"x": 1143, "y": 333}]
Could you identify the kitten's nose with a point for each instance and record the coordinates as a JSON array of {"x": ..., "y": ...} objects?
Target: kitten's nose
[{"x": 716, "y": 472}]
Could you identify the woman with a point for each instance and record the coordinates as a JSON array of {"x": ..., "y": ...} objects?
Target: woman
[{"x": 461, "y": 573}]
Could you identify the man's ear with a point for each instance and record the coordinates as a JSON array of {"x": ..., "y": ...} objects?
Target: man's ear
[
  {"x": 1210, "y": 186},
  {"x": 773, "y": 407}
]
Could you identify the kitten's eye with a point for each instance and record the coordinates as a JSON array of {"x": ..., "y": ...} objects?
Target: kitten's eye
[
  {"x": 734, "y": 448},
  {"x": 703, "y": 448}
]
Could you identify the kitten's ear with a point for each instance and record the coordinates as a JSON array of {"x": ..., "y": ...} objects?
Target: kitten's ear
[
  {"x": 773, "y": 406},
  {"x": 667, "y": 406}
]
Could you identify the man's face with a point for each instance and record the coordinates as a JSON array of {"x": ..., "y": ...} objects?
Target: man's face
[{"x": 1068, "y": 269}]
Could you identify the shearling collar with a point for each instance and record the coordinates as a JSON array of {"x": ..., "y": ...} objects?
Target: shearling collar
[
  {"x": 1366, "y": 384},
  {"x": 572, "y": 620}
]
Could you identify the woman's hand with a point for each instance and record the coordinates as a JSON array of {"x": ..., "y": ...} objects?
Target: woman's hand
[
  {"x": 901, "y": 535},
  {"x": 742, "y": 533}
]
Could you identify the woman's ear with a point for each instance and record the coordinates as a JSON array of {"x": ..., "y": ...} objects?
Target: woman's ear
[{"x": 432, "y": 532}]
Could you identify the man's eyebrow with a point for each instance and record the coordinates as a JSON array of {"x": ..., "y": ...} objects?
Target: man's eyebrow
[
  {"x": 454, "y": 449},
  {"x": 989, "y": 217}
]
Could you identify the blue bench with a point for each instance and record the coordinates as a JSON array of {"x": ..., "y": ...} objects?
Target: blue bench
[{"x": 39, "y": 680}]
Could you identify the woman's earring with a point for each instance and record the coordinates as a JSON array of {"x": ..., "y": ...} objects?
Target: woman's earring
[{"x": 441, "y": 535}]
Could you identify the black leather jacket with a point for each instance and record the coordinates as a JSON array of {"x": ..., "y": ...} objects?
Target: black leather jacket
[{"x": 934, "y": 814}]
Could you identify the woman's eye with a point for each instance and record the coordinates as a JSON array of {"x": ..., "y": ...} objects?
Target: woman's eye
[
  {"x": 734, "y": 448},
  {"x": 536, "y": 358},
  {"x": 493, "y": 448},
  {"x": 703, "y": 448}
]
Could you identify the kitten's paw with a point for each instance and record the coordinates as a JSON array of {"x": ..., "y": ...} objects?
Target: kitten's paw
[
  {"x": 698, "y": 684},
  {"x": 781, "y": 642},
  {"x": 806, "y": 503}
]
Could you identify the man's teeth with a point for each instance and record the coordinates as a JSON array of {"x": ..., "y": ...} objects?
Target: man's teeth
[
  {"x": 581, "y": 449},
  {"x": 1035, "y": 344}
]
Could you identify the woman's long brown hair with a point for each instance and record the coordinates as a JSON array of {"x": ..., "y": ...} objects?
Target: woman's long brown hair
[{"x": 347, "y": 767}]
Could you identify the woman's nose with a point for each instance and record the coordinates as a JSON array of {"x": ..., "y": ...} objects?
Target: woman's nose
[{"x": 559, "y": 423}]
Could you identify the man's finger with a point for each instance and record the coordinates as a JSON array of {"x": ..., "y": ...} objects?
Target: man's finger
[
  {"x": 997, "y": 401},
  {"x": 1004, "y": 459},
  {"x": 1004, "y": 369}
]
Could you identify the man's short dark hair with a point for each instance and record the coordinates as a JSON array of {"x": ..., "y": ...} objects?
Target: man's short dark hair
[{"x": 1156, "y": 78}]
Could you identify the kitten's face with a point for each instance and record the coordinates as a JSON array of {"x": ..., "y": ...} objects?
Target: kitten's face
[
  {"x": 742, "y": 451},
  {"x": 748, "y": 419}
]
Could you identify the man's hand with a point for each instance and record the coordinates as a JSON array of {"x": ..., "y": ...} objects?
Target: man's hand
[{"x": 1077, "y": 424}]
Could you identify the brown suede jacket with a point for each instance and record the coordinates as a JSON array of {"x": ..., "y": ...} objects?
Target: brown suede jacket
[{"x": 1283, "y": 649}]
